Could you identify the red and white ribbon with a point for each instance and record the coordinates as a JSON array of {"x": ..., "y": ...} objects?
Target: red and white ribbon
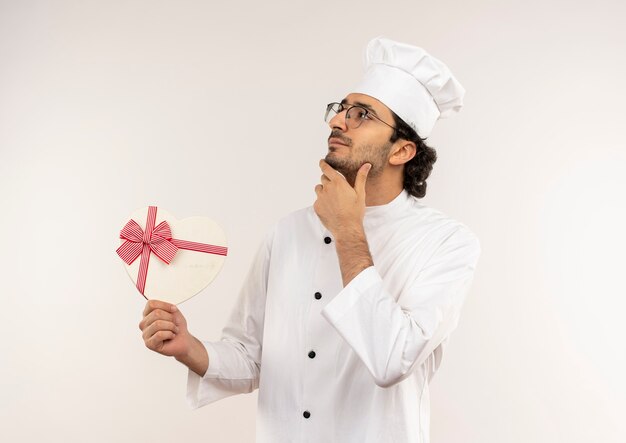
[{"x": 158, "y": 240}]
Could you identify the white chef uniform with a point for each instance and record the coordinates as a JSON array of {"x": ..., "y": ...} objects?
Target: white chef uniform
[{"x": 345, "y": 365}]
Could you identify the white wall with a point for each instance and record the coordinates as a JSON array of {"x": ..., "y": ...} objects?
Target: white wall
[{"x": 210, "y": 108}]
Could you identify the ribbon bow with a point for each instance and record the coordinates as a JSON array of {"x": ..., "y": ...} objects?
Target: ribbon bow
[{"x": 158, "y": 240}]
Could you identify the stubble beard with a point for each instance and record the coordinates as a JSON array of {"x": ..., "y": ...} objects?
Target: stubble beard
[{"x": 349, "y": 166}]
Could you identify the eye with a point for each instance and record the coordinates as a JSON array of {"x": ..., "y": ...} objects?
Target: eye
[{"x": 362, "y": 114}]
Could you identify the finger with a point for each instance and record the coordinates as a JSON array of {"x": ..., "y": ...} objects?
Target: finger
[
  {"x": 158, "y": 304},
  {"x": 361, "y": 178},
  {"x": 159, "y": 325},
  {"x": 157, "y": 314},
  {"x": 329, "y": 171},
  {"x": 156, "y": 341}
]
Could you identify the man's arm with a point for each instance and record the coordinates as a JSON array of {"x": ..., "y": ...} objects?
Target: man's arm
[
  {"x": 391, "y": 333},
  {"x": 217, "y": 369}
]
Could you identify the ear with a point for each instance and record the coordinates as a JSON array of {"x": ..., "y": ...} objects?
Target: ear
[{"x": 402, "y": 153}]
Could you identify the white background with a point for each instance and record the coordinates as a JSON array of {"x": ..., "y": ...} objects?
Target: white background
[{"x": 215, "y": 109}]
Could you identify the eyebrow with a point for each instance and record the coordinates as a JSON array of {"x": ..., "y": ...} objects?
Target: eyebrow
[{"x": 344, "y": 102}]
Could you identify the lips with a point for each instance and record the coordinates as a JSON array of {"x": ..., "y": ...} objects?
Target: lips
[{"x": 336, "y": 141}]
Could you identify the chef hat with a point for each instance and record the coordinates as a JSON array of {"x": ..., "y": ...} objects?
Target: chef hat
[{"x": 412, "y": 83}]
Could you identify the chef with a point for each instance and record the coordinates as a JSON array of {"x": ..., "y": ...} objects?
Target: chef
[{"x": 345, "y": 313}]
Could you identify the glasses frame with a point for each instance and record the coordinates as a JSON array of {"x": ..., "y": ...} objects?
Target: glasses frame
[{"x": 343, "y": 107}]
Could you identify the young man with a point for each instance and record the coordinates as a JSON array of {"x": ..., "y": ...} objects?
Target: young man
[{"x": 344, "y": 315}]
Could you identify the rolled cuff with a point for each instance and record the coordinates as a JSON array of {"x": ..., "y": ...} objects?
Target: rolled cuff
[
  {"x": 350, "y": 294},
  {"x": 197, "y": 386},
  {"x": 214, "y": 385}
]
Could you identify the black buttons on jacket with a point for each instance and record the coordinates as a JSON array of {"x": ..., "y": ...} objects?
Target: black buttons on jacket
[
  {"x": 312, "y": 354},
  {"x": 306, "y": 414},
  {"x": 318, "y": 296},
  {"x": 327, "y": 240}
]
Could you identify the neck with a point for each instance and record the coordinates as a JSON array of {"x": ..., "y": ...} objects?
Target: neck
[{"x": 381, "y": 190}]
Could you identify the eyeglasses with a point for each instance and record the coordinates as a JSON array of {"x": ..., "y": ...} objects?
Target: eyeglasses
[{"x": 355, "y": 115}]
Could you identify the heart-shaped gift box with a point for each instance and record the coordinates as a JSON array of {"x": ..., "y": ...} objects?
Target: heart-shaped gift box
[{"x": 169, "y": 259}]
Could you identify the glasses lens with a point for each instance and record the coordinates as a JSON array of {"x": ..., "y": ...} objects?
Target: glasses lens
[
  {"x": 354, "y": 117},
  {"x": 331, "y": 110}
]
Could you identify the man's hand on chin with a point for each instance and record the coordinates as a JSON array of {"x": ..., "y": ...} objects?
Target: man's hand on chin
[
  {"x": 339, "y": 206},
  {"x": 341, "y": 209}
]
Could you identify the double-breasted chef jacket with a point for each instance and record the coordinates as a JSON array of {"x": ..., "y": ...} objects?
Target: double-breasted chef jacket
[{"x": 344, "y": 364}]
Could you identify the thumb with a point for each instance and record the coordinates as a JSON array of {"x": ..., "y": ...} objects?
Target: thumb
[{"x": 361, "y": 178}]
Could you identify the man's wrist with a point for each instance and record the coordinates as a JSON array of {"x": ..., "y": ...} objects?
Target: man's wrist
[
  {"x": 350, "y": 234},
  {"x": 196, "y": 358},
  {"x": 353, "y": 252}
]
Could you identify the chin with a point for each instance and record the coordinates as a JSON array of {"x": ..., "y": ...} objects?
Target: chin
[
  {"x": 341, "y": 167},
  {"x": 332, "y": 160}
]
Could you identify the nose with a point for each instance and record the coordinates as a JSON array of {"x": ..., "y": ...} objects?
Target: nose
[{"x": 339, "y": 121}]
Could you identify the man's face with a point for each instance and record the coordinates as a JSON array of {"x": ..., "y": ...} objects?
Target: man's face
[{"x": 349, "y": 149}]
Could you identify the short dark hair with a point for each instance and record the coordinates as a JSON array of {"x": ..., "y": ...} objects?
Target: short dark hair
[{"x": 416, "y": 170}]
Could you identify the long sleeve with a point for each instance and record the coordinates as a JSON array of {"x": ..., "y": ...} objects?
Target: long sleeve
[
  {"x": 234, "y": 361},
  {"x": 393, "y": 333}
]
